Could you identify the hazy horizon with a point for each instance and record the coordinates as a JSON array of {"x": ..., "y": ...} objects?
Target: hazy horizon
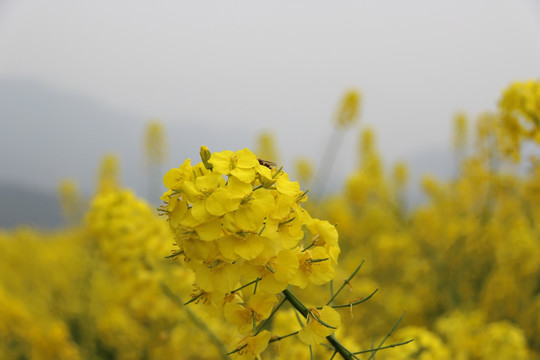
[{"x": 79, "y": 80}]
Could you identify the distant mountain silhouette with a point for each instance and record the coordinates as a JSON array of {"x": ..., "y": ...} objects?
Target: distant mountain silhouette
[
  {"x": 25, "y": 206},
  {"x": 48, "y": 134}
]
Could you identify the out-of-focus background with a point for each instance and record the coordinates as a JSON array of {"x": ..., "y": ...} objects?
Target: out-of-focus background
[
  {"x": 101, "y": 98},
  {"x": 78, "y": 80}
]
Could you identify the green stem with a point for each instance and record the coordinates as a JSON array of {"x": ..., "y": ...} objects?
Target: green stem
[
  {"x": 302, "y": 309},
  {"x": 263, "y": 324},
  {"x": 384, "y": 347},
  {"x": 342, "y": 350},
  {"x": 174, "y": 255},
  {"x": 353, "y": 303},
  {"x": 193, "y": 299},
  {"x": 386, "y": 337},
  {"x": 295, "y": 302},
  {"x": 246, "y": 285},
  {"x": 345, "y": 283},
  {"x": 283, "y": 337},
  {"x": 332, "y": 291}
]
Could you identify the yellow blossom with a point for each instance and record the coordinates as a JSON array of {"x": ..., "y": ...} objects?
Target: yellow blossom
[
  {"x": 244, "y": 317},
  {"x": 319, "y": 325},
  {"x": 252, "y": 346},
  {"x": 240, "y": 164},
  {"x": 349, "y": 108},
  {"x": 315, "y": 268}
]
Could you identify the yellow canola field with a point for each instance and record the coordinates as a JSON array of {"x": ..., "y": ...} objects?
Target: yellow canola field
[{"x": 464, "y": 266}]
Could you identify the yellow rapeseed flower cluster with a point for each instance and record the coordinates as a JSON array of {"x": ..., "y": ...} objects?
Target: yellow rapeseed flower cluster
[
  {"x": 239, "y": 222},
  {"x": 155, "y": 143},
  {"x": 349, "y": 108},
  {"x": 520, "y": 116}
]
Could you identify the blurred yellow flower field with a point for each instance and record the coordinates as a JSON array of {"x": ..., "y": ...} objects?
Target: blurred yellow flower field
[{"x": 242, "y": 262}]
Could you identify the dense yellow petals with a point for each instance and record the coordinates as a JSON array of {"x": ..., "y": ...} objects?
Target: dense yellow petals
[
  {"x": 240, "y": 225},
  {"x": 262, "y": 304},
  {"x": 251, "y": 214},
  {"x": 287, "y": 187},
  {"x": 282, "y": 208},
  {"x": 222, "y": 201},
  {"x": 174, "y": 178},
  {"x": 270, "y": 285},
  {"x": 223, "y": 162},
  {"x": 217, "y": 277},
  {"x": 249, "y": 247},
  {"x": 327, "y": 236},
  {"x": 239, "y": 315},
  {"x": 179, "y": 210},
  {"x": 285, "y": 265},
  {"x": 315, "y": 268},
  {"x": 207, "y": 183},
  {"x": 226, "y": 245},
  {"x": 210, "y": 230},
  {"x": 254, "y": 346},
  {"x": 314, "y": 332}
]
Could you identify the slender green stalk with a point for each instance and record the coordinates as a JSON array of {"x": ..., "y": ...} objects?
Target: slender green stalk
[
  {"x": 246, "y": 285},
  {"x": 345, "y": 283},
  {"x": 295, "y": 302},
  {"x": 174, "y": 255},
  {"x": 386, "y": 337},
  {"x": 303, "y": 310},
  {"x": 283, "y": 337},
  {"x": 354, "y": 302},
  {"x": 384, "y": 347},
  {"x": 263, "y": 324},
  {"x": 236, "y": 350},
  {"x": 342, "y": 350},
  {"x": 332, "y": 291},
  {"x": 193, "y": 299},
  {"x": 327, "y": 161}
]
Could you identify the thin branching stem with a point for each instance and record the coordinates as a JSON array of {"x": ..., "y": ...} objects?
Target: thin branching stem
[
  {"x": 246, "y": 285},
  {"x": 345, "y": 283},
  {"x": 236, "y": 350},
  {"x": 353, "y": 303},
  {"x": 287, "y": 221},
  {"x": 193, "y": 299},
  {"x": 340, "y": 348},
  {"x": 263, "y": 324},
  {"x": 304, "y": 311},
  {"x": 278, "y": 338},
  {"x": 384, "y": 347},
  {"x": 174, "y": 255},
  {"x": 332, "y": 291},
  {"x": 309, "y": 246},
  {"x": 386, "y": 337}
]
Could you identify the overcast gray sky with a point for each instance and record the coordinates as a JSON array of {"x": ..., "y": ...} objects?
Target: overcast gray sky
[{"x": 279, "y": 65}]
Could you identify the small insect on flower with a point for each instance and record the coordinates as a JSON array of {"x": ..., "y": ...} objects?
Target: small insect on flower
[{"x": 267, "y": 163}]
